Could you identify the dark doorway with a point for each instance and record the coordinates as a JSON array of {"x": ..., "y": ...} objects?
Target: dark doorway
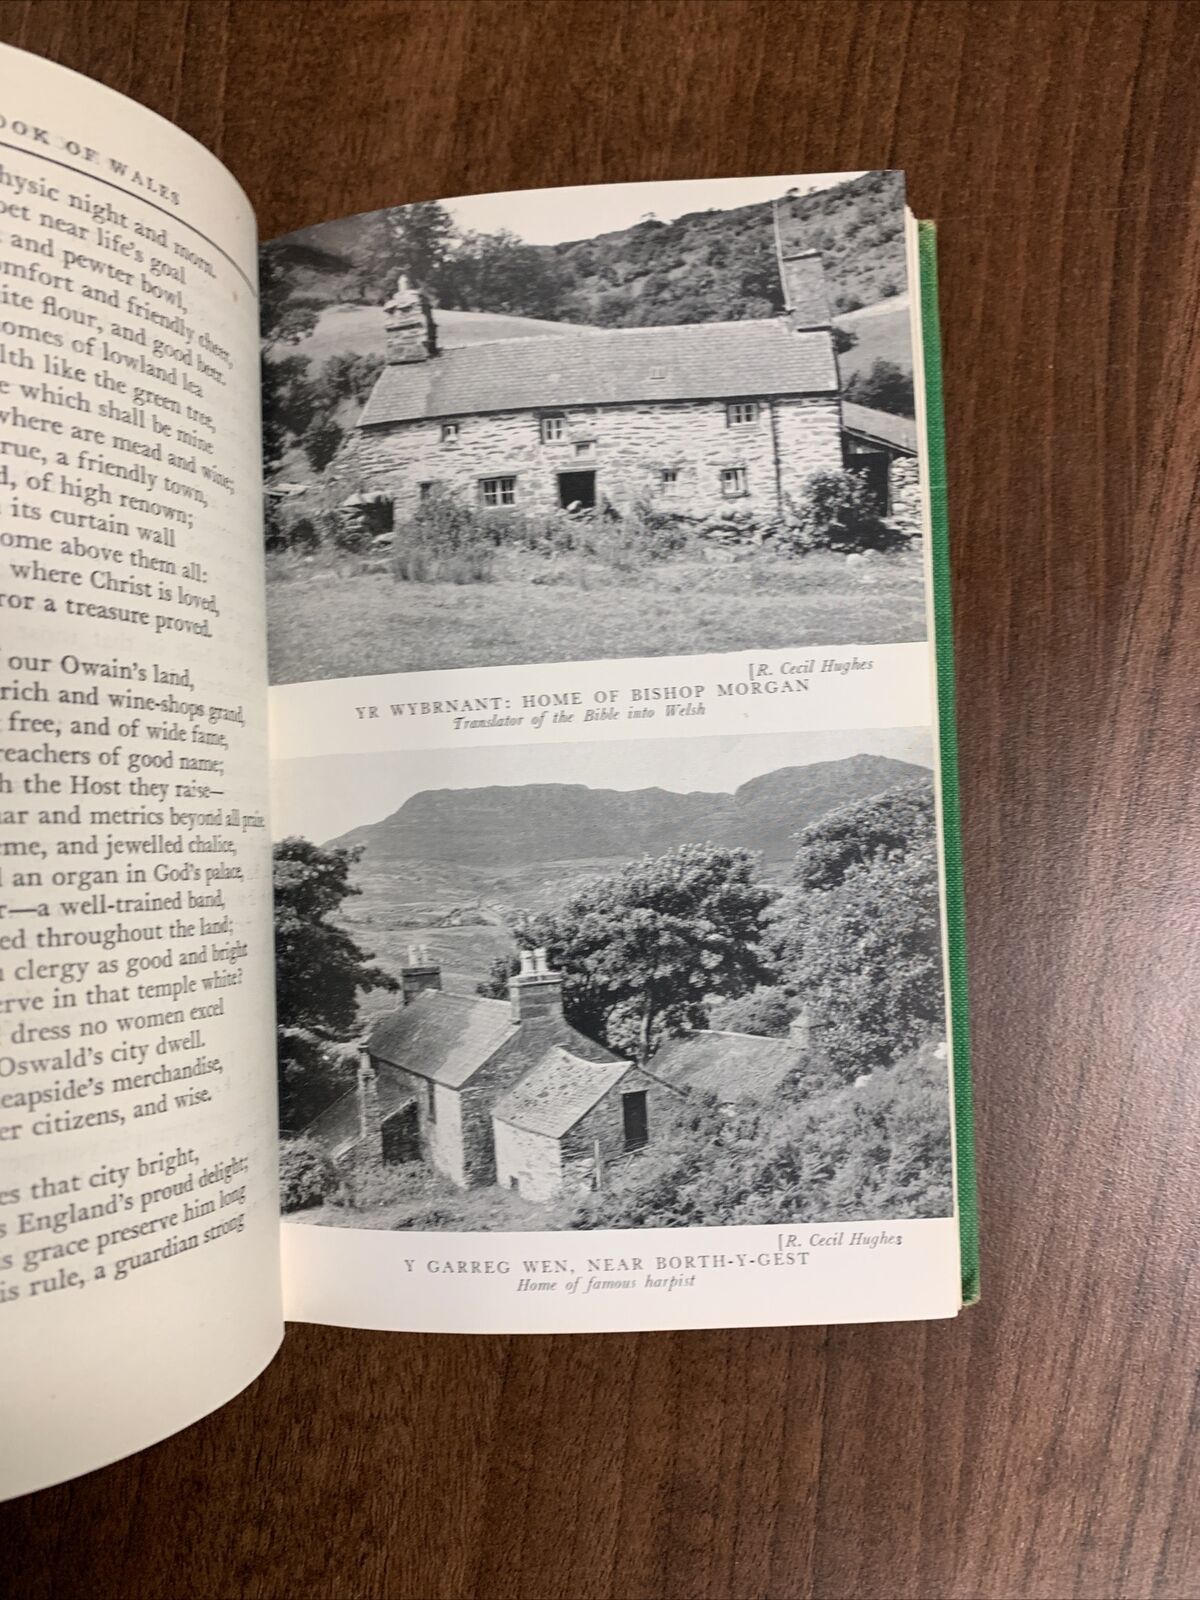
[
  {"x": 401, "y": 1135},
  {"x": 577, "y": 489},
  {"x": 637, "y": 1122}
]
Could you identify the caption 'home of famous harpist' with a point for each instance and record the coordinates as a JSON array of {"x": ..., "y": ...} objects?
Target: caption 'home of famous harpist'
[{"x": 702, "y": 419}]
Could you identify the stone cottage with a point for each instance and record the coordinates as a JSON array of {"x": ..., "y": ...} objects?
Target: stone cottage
[
  {"x": 705, "y": 418},
  {"x": 490, "y": 1091},
  {"x": 508, "y": 1092}
]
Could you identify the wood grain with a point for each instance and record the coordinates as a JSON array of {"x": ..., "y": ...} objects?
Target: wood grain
[{"x": 1045, "y": 1445}]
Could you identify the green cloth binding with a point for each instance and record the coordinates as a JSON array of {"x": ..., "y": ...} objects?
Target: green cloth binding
[{"x": 935, "y": 434}]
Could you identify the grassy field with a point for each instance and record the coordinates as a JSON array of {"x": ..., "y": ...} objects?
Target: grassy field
[
  {"x": 329, "y": 618},
  {"x": 883, "y": 331}
]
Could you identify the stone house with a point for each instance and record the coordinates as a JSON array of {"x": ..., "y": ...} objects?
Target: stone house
[
  {"x": 507, "y": 1092},
  {"x": 706, "y": 418},
  {"x": 490, "y": 1091}
]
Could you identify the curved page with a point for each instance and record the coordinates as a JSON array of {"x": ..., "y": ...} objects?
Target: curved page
[{"x": 138, "y": 1232}]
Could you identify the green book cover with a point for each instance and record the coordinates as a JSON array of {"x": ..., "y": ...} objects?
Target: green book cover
[{"x": 964, "y": 1125}]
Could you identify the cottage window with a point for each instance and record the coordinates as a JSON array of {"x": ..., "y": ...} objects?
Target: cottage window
[
  {"x": 584, "y": 447},
  {"x": 734, "y": 481},
  {"x": 450, "y": 432},
  {"x": 498, "y": 491},
  {"x": 635, "y": 1119},
  {"x": 669, "y": 478},
  {"x": 554, "y": 428},
  {"x": 741, "y": 413},
  {"x": 425, "y": 490},
  {"x": 431, "y": 1100}
]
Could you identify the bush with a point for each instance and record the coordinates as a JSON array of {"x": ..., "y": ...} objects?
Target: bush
[
  {"x": 321, "y": 441},
  {"x": 307, "y": 1176},
  {"x": 447, "y": 541},
  {"x": 878, "y": 1148},
  {"x": 838, "y": 512}
]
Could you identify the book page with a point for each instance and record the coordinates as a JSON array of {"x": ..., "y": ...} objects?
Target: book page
[
  {"x": 138, "y": 1242},
  {"x": 612, "y": 987}
]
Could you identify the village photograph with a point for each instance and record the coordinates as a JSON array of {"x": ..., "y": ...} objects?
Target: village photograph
[
  {"x": 580, "y": 424},
  {"x": 651, "y": 983}
]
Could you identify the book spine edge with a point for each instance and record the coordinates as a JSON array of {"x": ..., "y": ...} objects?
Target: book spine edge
[{"x": 964, "y": 1121}]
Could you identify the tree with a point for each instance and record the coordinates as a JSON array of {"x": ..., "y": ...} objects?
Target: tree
[
  {"x": 857, "y": 940},
  {"x": 319, "y": 973},
  {"x": 883, "y": 827},
  {"x": 886, "y": 387},
  {"x": 423, "y": 236},
  {"x": 293, "y": 284},
  {"x": 289, "y": 403},
  {"x": 642, "y": 950}
]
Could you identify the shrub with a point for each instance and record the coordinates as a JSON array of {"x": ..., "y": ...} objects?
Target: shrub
[
  {"x": 306, "y": 1175},
  {"x": 445, "y": 540},
  {"x": 838, "y": 512},
  {"x": 321, "y": 441}
]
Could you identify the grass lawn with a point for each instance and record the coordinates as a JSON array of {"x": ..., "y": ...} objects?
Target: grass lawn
[{"x": 332, "y": 619}]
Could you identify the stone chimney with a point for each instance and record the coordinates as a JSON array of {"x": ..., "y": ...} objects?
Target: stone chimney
[
  {"x": 419, "y": 972},
  {"x": 411, "y": 332},
  {"x": 368, "y": 1098},
  {"x": 802, "y": 278},
  {"x": 535, "y": 993}
]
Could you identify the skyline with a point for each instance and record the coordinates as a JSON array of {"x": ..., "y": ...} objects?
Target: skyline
[
  {"x": 564, "y": 215},
  {"x": 323, "y": 797}
]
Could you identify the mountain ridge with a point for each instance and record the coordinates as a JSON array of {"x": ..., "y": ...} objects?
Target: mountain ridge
[{"x": 504, "y": 826}]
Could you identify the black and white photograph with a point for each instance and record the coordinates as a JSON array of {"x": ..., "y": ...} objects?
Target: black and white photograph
[
  {"x": 579, "y": 424},
  {"x": 633, "y": 984}
]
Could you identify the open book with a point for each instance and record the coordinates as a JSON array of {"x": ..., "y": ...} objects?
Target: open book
[{"x": 604, "y": 770}]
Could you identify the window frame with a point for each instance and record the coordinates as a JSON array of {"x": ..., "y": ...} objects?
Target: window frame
[
  {"x": 556, "y": 421},
  {"x": 451, "y": 432},
  {"x": 735, "y": 482},
  {"x": 499, "y": 480},
  {"x": 733, "y": 406}
]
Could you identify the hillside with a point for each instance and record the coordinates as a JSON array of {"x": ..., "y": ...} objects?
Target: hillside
[
  {"x": 706, "y": 266},
  {"x": 499, "y": 829}
]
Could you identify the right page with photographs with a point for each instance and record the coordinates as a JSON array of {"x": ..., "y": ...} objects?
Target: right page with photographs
[{"x": 613, "y": 971}]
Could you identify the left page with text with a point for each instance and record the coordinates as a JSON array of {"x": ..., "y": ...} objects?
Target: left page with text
[{"x": 139, "y": 1271}]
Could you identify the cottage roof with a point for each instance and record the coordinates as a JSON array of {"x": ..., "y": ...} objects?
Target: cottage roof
[
  {"x": 560, "y": 1089},
  {"x": 732, "y": 1066},
  {"x": 703, "y": 361},
  {"x": 880, "y": 427},
  {"x": 446, "y": 1037},
  {"x": 338, "y": 1129}
]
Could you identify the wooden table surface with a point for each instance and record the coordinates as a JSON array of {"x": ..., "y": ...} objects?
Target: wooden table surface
[{"x": 1045, "y": 1444}]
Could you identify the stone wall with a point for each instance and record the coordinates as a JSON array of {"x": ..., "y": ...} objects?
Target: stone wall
[
  {"x": 605, "y": 1123},
  {"x": 528, "y": 1162},
  {"x": 904, "y": 493},
  {"x": 441, "y": 1136},
  {"x": 628, "y": 447}
]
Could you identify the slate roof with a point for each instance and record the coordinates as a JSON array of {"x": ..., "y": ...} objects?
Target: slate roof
[
  {"x": 560, "y": 1089},
  {"x": 337, "y": 1128},
  {"x": 446, "y": 1037},
  {"x": 880, "y": 427},
  {"x": 732, "y": 1066},
  {"x": 705, "y": 361}
]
